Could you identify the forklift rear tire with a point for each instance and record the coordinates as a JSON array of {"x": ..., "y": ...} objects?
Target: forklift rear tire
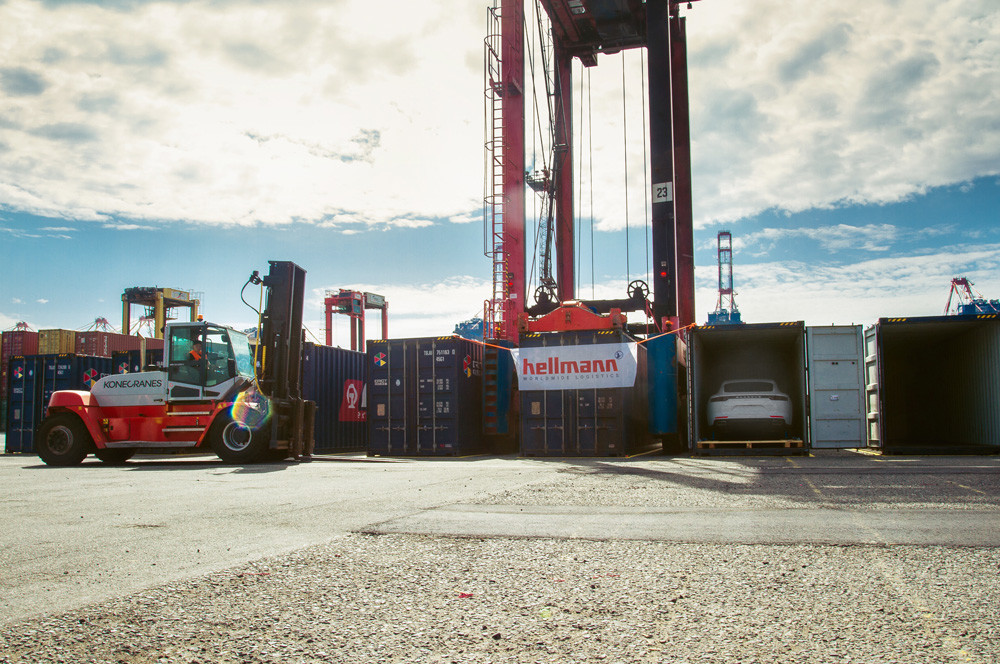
[
  {"x": 235, "y": 442},
  {"x": 63, "y": 440},
  {"x": 114, "y": 457}
]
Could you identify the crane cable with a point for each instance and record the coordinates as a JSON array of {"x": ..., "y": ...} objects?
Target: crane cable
[
  {"x": 628, "y": 269},
  {"x": 590, "y": 141},
  {"x": 645, "y": 173}
]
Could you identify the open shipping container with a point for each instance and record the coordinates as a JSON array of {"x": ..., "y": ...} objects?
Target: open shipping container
[
  {"x": 933, "y": 384},
  {"x": 425, "y": 397},
  {"x": 611, "y": 421},
  {"x": 757, "y": 351}
]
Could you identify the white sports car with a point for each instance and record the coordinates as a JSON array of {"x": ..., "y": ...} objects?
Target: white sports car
[{"x": 749, "y": 406}]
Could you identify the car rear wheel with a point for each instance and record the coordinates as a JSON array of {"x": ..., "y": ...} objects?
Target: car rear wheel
[{"x": 63, "y": 440}]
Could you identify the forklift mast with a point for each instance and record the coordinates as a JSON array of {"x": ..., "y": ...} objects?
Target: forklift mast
[
  {"x": 281, "y": 331},
  {"x": 280, "y": 374}
]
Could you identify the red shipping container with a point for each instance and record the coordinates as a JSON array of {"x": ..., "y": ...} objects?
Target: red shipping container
[
  {"x": 103, "y": 344},
  {"x": 12, "y": 344},
  {"x": 154, "y": 344}
]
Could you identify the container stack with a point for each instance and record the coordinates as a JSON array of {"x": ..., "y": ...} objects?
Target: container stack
[
  {"x": 425, "y": 397},
  {"x": 564, "y": 409},
  {"x": 12, "y": 344},
  {"x": 33, "y": 380}
]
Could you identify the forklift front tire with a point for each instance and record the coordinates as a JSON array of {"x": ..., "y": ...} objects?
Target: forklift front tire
[
  {"x": 116, "y": 456},
  {"x": 235, "y": 442},
  {"x": 63, "y": 440}
]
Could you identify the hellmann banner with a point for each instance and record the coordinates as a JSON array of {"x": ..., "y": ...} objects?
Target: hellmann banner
[{"x": 576, "y": 367}]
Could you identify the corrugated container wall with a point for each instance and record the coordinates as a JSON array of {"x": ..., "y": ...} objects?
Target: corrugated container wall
[
  {"x": 425, "y": 397},
  {"x": 56, "y": 342},
  {"x": 105, "y": 344},
  {"x": 72, "y": 372},
  {"x": 134, "y": 361},
  {"x": 23, "y": 403},
  {"x": 334, "y": 378},
  {"x": 665, "y": 356},
  {"x": 586, "y": 422},
  {"x": 21, "y": 343},
  {"x": 753, "y": 351},
  {"x": 934, "y": 384}
]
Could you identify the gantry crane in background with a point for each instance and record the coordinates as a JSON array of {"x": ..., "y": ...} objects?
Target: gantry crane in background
[
  {"x": 353, "y": 304},
  {"x": 967, "y": 301},
  {"x": 583, "y": 29},
  {"x": 159, "y": 303},
  {"x": 726, "y": 311}
]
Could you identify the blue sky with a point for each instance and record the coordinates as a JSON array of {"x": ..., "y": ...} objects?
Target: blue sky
[{"x": 853, "y": 151}]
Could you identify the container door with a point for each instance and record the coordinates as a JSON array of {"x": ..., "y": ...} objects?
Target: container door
[
  {"x": 692, "y": 392},
  {"x": 872, "y": 396},
  {"x": 837, "y": 418}
]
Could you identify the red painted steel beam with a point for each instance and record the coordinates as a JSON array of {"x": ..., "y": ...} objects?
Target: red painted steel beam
[
  {"x": 565, "y": 241},
  {"x": 512, "y": 74},
  {"x": 683, "y": 216},
  {"x": 574, "y": 316}
]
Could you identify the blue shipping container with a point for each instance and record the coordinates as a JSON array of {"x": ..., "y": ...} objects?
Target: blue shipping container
[
  {"x": 610, "y": 421},
  {"x": 126, "y": 361},
  {"x": 425, "y": 397},
  {"x": 23, "y": 402},
  {"x": 334, "y": 378},
  {"x": 72, "y": 372}
]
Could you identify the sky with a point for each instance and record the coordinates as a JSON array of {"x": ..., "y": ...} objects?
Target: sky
[{"x": 851, "y": 148}]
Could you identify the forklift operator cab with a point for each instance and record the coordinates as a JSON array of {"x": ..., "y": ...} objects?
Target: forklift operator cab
[{"x": 225, "y": 360}]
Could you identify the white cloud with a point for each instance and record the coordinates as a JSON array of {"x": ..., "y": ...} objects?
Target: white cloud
[
  {"x": 42, "y": 301},
  {"x": 817, "y": 105},
  {"x": 128, "y": 227},
  {"x": 873, "y": 237},
  {"x": 278, "y": 112},
  {"x": 798, "y": 105},
  {"x": 269, "y": 113},
  {"x": 859, "y": 293}
]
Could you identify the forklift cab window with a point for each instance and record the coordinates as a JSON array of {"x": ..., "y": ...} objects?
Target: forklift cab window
[
  {"x": 182, "y": 368},
  {"x": 201, "y": 356},
  {"x": 221, "y": 363}
]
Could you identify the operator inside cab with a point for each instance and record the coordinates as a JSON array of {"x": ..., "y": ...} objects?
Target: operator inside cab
[{"x": 196, "y": 355}]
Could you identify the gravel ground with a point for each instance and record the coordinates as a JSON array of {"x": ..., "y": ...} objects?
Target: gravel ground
[
  {"x": 398, "y": 598},
  {"x": 760, "y": 483}
]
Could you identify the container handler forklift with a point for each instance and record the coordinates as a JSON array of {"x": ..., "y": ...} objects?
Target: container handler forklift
[{"x": 212, "y": 392}]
